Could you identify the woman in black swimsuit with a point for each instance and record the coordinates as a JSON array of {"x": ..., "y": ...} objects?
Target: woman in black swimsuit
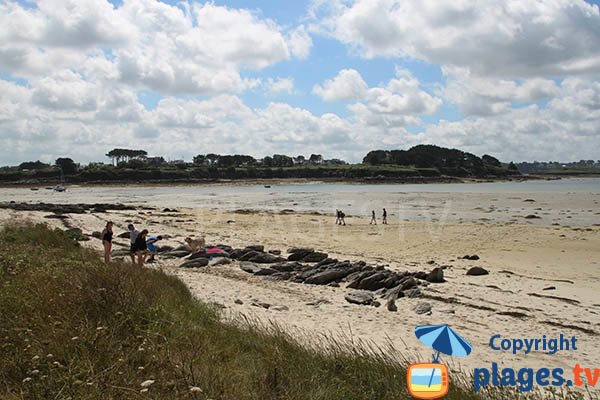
[{"x": 107, "y": 235}]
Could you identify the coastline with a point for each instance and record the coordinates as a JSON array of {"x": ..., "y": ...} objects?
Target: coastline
[{"x": 288, "y": 181}]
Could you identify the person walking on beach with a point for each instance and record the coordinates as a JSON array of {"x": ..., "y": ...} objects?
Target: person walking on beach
[
  {"x": 133, "y": 234},
  {"x": 373, "y": 220},
  {"x": 140, "y": 247},
  {"x": 342, "y": 216},
  {"x": 384, "y": 218},
  {"x": 337, "y": 217},
  {"x": 107, "y": 236}
]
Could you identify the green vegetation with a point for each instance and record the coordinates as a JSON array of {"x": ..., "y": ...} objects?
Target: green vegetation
[
  {"x": 72, "y": 327},
  {"x": 420, "y": 163}
]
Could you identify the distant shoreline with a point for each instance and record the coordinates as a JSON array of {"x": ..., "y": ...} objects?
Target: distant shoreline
[{"x": 283, "y": 181}]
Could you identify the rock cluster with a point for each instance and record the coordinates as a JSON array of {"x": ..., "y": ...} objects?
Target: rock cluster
[
  {"x": 65, "y": 208},
  {"x": 305, "y": 265}
]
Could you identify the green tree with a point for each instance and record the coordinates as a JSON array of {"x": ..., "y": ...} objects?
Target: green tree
[{"x": 66, "y": 165}]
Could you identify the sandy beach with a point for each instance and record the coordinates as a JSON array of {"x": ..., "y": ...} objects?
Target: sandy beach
[{"x": 543, "y": 270}]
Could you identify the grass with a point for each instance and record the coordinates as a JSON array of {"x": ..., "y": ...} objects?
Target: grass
[{"x": 72, "y": 327}]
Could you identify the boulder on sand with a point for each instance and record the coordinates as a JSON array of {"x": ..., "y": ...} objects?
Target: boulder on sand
[
  {"x": 436, "y": 276},
  {"x": 361, "y": 297},
  {"x": 266, "y": 258},
  {"x": 195, "y": 263},
  {"x": 327, "y": 276},
  {"x": 477, "y": 271},
  {"x": 315, "y": 256}
]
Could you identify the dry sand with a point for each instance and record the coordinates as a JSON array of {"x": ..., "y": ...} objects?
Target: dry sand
[{"x": 523, "y": 258}]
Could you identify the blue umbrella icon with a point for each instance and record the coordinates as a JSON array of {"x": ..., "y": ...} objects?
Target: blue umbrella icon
[{"x": 443, "y": 339}]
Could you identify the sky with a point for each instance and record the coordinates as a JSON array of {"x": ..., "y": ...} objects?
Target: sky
[{"x": 519, "y": 80}]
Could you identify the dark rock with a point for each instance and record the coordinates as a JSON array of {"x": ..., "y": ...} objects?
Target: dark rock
[
  {"x": 284, "y": 267},
  {"x": 423, "y": 308},
  {"x": 56, "y": 216},
  {"x": 238, "y": 301},
  {"x": 256, "y": 247},
  {"x": 279, "y": 276},
  {"x": 474, "y": 257},
  {"x": 256, "y": 270},
  {"x": 314, "y": 257},
  {"x": 124, "y": 235},
  {"x": 436, "y": 276},
  {"x": 266, "y": 258},
  {"x": 477, "y": 271},
  {"x": 300, "y": 250},
  {"x": 195, "y": 263},
  {"x": 97, "y": 234},
  {"x": 376, "y": 304},
  {"x": 162, "y": 249},
  {"x": 198, "y": 255},
  {"x": 374, "y": 281},
  {"x": 248, "y": 255},
  {"x": 359, "y": 297},
  {"x": 237, "y": 253},
  {"x": 431, "y": 262},
  {"x": 220, "y": 261},
  {"x": 275, "y": 252},
  {"x": 550, "y": 288},
  {"x": 299, "y": 255},
  {"x": 327, "y": 276},
  {"x": 302, "y": 276},
  {"x": 532, "y": 216},
  {"x": 327, "y": 261},
  {"x": 362, "y": 275},
  {"x": 176, "y": 253},
  {"x": 391, "y": 305},
  {"x": 420, "y": 275},
  {"x": 408, "y": 282}
]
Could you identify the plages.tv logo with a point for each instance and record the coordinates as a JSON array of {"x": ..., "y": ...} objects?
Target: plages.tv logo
[{"x": 431, "y": 380}]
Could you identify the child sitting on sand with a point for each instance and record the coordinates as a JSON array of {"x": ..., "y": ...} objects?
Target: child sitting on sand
[{"x": 196, "y": 244}]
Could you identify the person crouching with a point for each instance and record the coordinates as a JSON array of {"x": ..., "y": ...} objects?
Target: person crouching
[{"x": 140, "y": 247}]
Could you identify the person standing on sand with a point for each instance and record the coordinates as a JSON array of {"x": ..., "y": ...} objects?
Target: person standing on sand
[
  {"x": 384, "y": 218},
  {"x": 337, "y": 217},
  {"x": 140, "y": 247},
  {"x": 342, "y": 216},
  {"x": 373, "y": 220},
  {"x": 133, "y": 234},
  {"x": 107, "y": 236}
]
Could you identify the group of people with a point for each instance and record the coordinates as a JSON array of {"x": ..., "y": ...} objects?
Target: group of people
[
  {"x": 141, "y": 246},
  {"x": 339, "y": 220},
  {"x": 340, "y": 217},
  {"x": 383, "y": 217}
]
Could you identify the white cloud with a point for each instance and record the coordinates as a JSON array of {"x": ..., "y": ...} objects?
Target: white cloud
[
  {"x": 489, "y": 96},
  {"x": 347, "y": 85},
  {"x": 195, "y": 49},
  {"x": 490, "y": 38},
  {"x": 300, "y": 42},
  {"x": 280, "y": 85}
]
